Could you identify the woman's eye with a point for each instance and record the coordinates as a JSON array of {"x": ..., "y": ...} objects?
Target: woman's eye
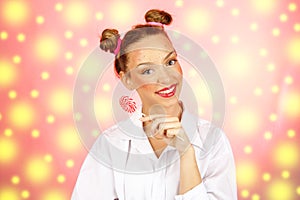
[
  {"x": 148, "y": 71},
  {"x": 172, "y": 62}
]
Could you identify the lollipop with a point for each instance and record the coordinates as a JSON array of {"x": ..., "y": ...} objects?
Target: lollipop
[{"x": 128, "y": 104}]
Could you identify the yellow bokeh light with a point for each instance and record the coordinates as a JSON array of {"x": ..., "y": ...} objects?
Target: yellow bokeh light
[
  {"x": 21, "y": 37},
  {"x": 8, "y": 150},
  {"x": 258, "y": 91},
  {"x": 233, "y": 100},
  {"x": 60, "y": 100},
  {"x": 48, "y": 158},
  {"x": 25, "y": 194},
  {"x": 15, "y": 12},
  {"x": 17, "y": 59},
  {"x": 83, "y": 42},
  {"x": 298, "y": 190},
  {"x": 290, "y": 104},
  {"x": 235, "y": 39},
  {"x": 265, "y": 6},
  {"x": 3, "y": 35},
  {"x": 54, "y": 194},
  {"x": 69, "y": 70},
  {"x": 268, "y": 135},
  {"x": 21, "y": 115},
  {"x": 292, "y": 7},
  {"x": 70, "y": 163},
  {"x": 245, "y": 193},
  {"x": 77, "y": 13},
  {"x": 8, "y": 74},
  {"x": 39, "y": 20},
  {"x": 263, "y": 52},
  {"x": 247, "y": 122},
  {"x": 8, "y": 194},
  {"x": 45, "y": 75},
  {"x": 34, "y": 93},
  {"x": 266, "y": 177},
  {"x": 237, "y": 64},
  {"x": 291, "y": 133},
  {"x": 276, "y": 32},
  {"x": 283, "y": 17},
  {"x": 286, "y": 155},
  {"x": 58, "y": 7},
  {"x": 68, "y": 34},
  {"x": 106, "y": 87},
  {"x": 271, "y": 67},
  {"x": 47, "y": 48},
  {"x": 12, "y": 94},
  {"x": 15, "y": 180},
  {"x": 37, "y": 171},
  {"x": 102, "y": 109},
  {"x": 293, "y": 50},
  {"x": 121, "y": 12},
  {"x": 285, "y": 174},
  {"x": 68, "y": 55},
  {"x": 275, "y": 89},
  {"x": 255, "y": 197},
  {"x": 246, "y": 173},
  {"x": 235, "y": 12},
  {"x": 99, "y": 15},
  {"x": 8, "y": 132},
  {"x": 179, "y": 3},
  {"x": 198, "y": 20},
  {"x": 220, "y": 3},
  {"x": 297, "y": 27},
  {"x": 61, "y": 178},
  {"x": 279, "y": 190},
  {"x": 273, "y": 117},
  {"x": 50, "y": 119},
  {"x": 253, "y": 27},
  {"x": 35, "y": 133},
  {"x": 215, "y": 39},
  {"x": 68, "y": 133},
  {"x": 288, "y": 80},
  {"x": 248, "y": 149}
]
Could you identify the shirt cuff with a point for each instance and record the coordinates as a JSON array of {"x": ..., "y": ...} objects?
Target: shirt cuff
[{"x": 198, "y": 192}]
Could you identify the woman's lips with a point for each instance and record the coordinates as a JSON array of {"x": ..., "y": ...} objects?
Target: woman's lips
[{"x": 167, "y": 92}]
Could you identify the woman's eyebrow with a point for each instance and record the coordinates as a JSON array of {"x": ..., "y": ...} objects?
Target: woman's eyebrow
[
  {"x": 151, "y": 63},
  {"x": 169, "y": 54}
]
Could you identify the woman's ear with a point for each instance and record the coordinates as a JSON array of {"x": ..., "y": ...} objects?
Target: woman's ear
[{"x": 126, "y": 80}]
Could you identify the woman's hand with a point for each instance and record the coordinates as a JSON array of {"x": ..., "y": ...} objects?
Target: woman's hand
[{"x": 167, "y": 128}]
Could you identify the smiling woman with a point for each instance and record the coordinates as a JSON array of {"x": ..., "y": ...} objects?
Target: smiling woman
[{"x": 162, "y": 150}]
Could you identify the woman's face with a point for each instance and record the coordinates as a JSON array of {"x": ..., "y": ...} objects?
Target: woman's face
[{"x": 153, "y": 70}]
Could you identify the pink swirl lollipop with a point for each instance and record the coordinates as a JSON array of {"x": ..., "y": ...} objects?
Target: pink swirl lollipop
[{"x": 127, "y": 104}]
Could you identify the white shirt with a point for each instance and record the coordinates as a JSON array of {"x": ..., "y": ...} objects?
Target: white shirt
[{"x": 122, "y": 165}]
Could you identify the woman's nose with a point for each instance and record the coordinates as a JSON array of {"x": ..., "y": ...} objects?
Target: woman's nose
[{"x": 164, "y": 76}]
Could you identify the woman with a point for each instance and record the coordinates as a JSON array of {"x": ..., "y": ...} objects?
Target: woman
[{"x": 159, "y": 153}]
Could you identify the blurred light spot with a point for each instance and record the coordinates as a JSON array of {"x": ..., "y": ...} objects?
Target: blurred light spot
[
  {"x": 8, "y": 132},
  {"x": 292, "y": 7},
  {"x": 68, "y": 133},
  {"x": 77, "y": 13},
  {"x": 8, "y": 194},
  {"x": 25, "y": 194},
  {"x": 215, "y": 39},
  {"x": 258, "y": 92},
  {"x": 68, "y": 55},
  {"x": 271, "y": 67},
  {"x": 121, "y": 12},
  {"x": 273, "y": 117},
  {"x": 69, "y": 70},
  {"x": 54, "y": 195},
  {"x": 253, "y": 27},
  {"x": 8, "y": 150},
  {"x": 8, "y": 74},
  {"x": 237, "y": 64},
  {"x": 266, "y": 177},
  {"x": 255, "y": 197},
  {"x": 276, "y": 32},
  {"x": 106, "y": 87},
  {"x": 70, "y": 163},
  {"x": 35, "y": 133},
  {"x": 21, "y": 115},
  {"x": 248, "y": 149},
  {"x": 34, "y": 93},
  {"x": 268, "y": 135},
  {"x": 290, "y": 104},
  {"x": 48, "y": 158},
  {"x": 235, "y": 12},
  {"x": 265, "y": 6},
  {"x": 37, "y": 170},
  {"x": 298, "y": 190},
  {"x": 220, "y": 3},
  {"x": 21, "y": 37},
  {"x": 286, "y": 155},
  {"x": 99, "y": 15},
  {"x": 179, "y": 3},
  {"x": 50, "y": 119},
  {"x": 83, "y": 42},
  {"x": 15, "y": 12},
  {"x": 285, "y": 174},
  {"x": 12, "y": 94},
  {"x": 58, "y": 7},
  {"x": 247, "y": 122},
  {"x": 291, "y": 133},
  {"x": 246, "y": 173},
  {"x": 275, "y": 89},
  {"x": 245, "y": 193},
  {"x": 61, "y": 178},
  {"x": 15, "y": 180},
  {"x": 288, "y": 80},
  {"x": 3, "y": 35},
  {"x": 16, "y": 59},
  {"x": 233, "y": 100},
  {"x": 263, "y": 52},
  {"x": 68, "y": 34},
  {"x": 103, "y": 109},
  {"x": 60, "y": 100},
  {"x": 192, "y": 72},
  {"x": 235, "y": 39},
  {"x": 39, "y": 20},
  {"x": 293, "y": 50},
  {"x": 283, "y": 17},
  {"x": 198, "y": 20},
  {"x": 279, "y": 190},
  {"x": 297, "y": 27},
  {"x": 47, "y": 48},
  {"x": 45, "y": 75}
]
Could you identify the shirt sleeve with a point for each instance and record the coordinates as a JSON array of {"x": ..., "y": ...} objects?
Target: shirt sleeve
[{"x": 219, "y": 180}]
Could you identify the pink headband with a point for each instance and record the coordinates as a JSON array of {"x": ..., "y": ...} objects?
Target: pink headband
[{"x": 155, "y": 23}]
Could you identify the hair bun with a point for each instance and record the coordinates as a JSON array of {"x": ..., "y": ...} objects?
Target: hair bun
[
  {"x": 109, "y": 40},
  {"x": 160, "y": 16}
]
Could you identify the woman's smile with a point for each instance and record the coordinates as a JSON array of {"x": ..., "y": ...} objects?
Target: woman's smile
[{"x": 167, "y": 92}]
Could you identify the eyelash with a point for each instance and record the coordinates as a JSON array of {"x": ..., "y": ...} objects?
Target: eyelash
[
  {"x": 175, "y": 61},
  {"x": 146, "y": 71}
]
